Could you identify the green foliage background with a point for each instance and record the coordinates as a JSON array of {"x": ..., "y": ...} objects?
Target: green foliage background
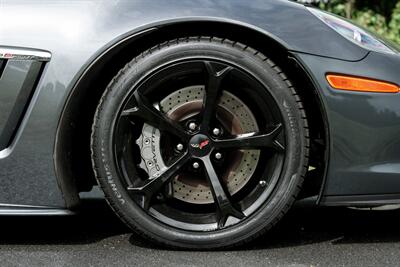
[{"x": 380, "y": 16}]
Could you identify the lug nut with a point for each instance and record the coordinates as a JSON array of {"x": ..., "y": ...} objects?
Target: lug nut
[
  {"x": 216, "y": 131},
  {"x": 218, "y": 155},
  {"x": 192, "y": 126},
  {"x": 196, "y": 165},
  {"x": 179, "y": 147}
]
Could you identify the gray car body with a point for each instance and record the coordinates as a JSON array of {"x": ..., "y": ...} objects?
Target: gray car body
[{"x": 364, "y": 129}]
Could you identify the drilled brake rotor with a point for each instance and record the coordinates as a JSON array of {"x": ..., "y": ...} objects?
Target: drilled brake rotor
[{"x": 235, "y": 117}]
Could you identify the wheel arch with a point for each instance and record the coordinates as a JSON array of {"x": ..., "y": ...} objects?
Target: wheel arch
[{"x": 72, "y": 149}]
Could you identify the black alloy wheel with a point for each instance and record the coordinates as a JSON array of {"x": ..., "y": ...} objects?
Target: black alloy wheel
[{"x": 200, "y": 143}]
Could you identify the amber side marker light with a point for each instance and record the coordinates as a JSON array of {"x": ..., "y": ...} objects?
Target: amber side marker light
[{"x": 358, "y": 84}]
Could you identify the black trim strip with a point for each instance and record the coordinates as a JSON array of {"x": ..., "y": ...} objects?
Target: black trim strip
[
  {"x": 3, "y": 64},
  {"x": 360, "y": 200}
]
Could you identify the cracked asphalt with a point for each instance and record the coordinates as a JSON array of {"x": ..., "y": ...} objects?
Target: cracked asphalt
[{"x": 307, "y": 236}]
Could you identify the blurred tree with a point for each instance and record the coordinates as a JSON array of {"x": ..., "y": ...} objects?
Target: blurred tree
[
  {"x": 394, "y": 25},
  {"x": 380, "y": 16},
  {"x": 349, "y": 8},
  {"x": 383, "y": 7}
]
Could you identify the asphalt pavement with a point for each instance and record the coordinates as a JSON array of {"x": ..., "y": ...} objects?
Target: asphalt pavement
[{"x": 306, "y": 237}]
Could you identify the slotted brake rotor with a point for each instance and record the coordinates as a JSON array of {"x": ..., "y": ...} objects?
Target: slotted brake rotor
[{"x": 232, "y": 113}]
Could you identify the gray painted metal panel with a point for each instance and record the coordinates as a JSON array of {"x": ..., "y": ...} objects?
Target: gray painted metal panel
[
  {"x": 76, "y": 32},
  {"x": 364, "y": 127}
]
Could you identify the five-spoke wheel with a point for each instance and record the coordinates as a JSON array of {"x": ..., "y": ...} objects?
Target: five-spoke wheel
[{"x": 201, "y": 143}]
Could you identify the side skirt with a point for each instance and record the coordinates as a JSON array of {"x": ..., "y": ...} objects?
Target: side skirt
[
  {"x": 23, "y": 210},
  {"x": 361, "y": 200}
]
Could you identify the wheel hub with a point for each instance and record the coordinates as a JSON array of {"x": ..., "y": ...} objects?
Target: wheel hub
[
  {"x": 232, "y": 113},
  {"x": 200, "y": 145}
]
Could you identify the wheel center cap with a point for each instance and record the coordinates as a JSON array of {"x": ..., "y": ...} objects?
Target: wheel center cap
[{"x": 200, "y": 145}]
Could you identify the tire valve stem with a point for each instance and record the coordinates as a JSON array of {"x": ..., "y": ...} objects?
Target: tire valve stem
[{"x": 262, "y": 183}]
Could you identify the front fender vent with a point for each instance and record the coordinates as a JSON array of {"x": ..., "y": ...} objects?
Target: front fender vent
[{"x": 20, "y": 70}]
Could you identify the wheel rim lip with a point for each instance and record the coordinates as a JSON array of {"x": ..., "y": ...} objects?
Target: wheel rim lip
[{"x": 279, "y": 169}]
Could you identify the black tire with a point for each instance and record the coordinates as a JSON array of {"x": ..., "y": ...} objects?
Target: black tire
[{"x": 295, "y": 157}]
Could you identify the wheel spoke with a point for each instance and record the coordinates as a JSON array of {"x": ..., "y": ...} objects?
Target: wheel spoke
[
  {"x": 154, "y": 117},
  {"x": 224, "y": 205},
  {"x": 154, "y": 184},
  {"x": 254, "y": 140},
  {"x": 212, "y": 93}
]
